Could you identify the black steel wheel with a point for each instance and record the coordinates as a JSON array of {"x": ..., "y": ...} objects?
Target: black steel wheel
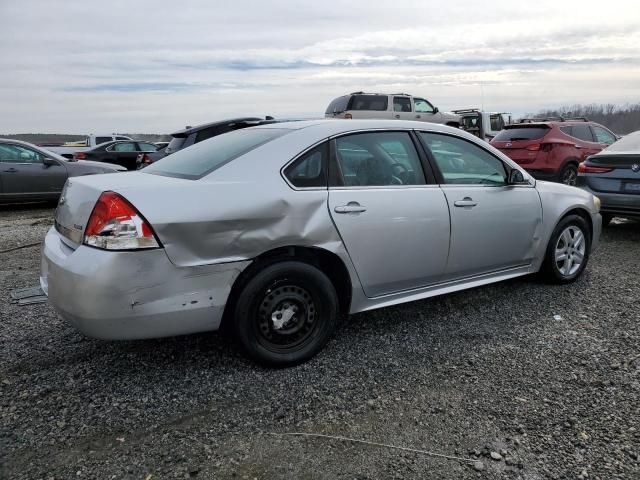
[{"x": 286, "y": 313}]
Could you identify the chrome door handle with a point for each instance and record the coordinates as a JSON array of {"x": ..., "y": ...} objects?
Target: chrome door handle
[
  {"x": 465, "y": 202},
  {"x": 397, "y": 116},
  {"x": 351, "y": 207},
  {"x": 578, "y": 146}
]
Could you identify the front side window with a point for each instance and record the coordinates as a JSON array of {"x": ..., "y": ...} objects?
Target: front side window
[
  {"x": 310, "y": 170},
  {"x": 204, "y": 157},
  {"x": 462, "y": 162},
  {"x": 422, "y": 106},
  {"x": 401, "y": 104},
  {"x": 378, "y": 159},
  {"x": 603, "y": 136},
  {"x": 497, "y": 122},
  {"x": 18, "y": 154}
]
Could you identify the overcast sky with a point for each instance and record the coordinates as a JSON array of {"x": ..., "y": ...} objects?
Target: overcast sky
[{"x": 153, "y": 66}]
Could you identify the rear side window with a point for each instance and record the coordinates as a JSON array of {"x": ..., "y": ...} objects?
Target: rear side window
[
  {"x": 310, "y": 170},
  {"x": 521, "y": 133},
  {"x": 175, "y": 144},
  {"x": 339, "y": 105},
  {"x": 583, "y": 132},
  {"x": 203, "y": 158},
  {"x": 401, "y": 104},
  {"x": 368, "y": 102},
  {"x": 378, "y": 159},
  {"x": 123, "y": 147}
]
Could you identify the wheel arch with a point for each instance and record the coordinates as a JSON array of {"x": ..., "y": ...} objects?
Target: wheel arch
[
  {"x": 581, "y": 212},
  {"x": 327, "y": 262}
]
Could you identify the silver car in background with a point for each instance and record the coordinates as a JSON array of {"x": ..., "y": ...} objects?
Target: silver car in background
[
  {"x": 614, "y": 175},
  {"x": 276, "y": 230}
]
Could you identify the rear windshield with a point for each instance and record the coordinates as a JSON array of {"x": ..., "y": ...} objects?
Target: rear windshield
[
  {"x": 512, "y": 134},
  {"x": 368, "y": 102},
  {"x": 339, "y": 105},
  {"x": 203, "y": 158}
]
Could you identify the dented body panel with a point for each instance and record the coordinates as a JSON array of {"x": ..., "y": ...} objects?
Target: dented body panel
[{"x": 411, "y": 243}]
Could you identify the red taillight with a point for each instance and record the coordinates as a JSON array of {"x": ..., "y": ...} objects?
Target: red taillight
[
  {"x": 146, "y": 158},
  {"x": 115, "y": 224},
  {"x": 79, "y": 156},
  {"x": 533, "y": 148},
  {"x": 582, "y": 168}
]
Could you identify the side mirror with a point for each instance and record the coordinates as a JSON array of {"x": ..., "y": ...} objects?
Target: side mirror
[
  {"x": 436, "y": 109},
  {"x": 516, "y": 177},
  {"x": 49, "y": 161}
]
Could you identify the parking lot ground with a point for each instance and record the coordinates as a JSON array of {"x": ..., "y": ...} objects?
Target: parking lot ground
[{"x": 530, "y": 381}]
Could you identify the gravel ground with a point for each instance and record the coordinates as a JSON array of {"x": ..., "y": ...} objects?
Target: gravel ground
[{"x": 488, "y": 374}]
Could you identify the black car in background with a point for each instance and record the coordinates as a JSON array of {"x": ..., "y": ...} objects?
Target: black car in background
[
  {"x": 29, "y": 173},
  {"x": 190, "y": 135},
  {"x": 121, "y": 152}
]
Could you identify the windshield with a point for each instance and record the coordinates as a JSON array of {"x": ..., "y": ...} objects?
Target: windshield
[
  {"x": 511, "y": 134},
  {"x": 198, "y": 160}
]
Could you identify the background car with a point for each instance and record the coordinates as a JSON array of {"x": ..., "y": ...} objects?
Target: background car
[
  {"x": 400, "y": 106},
  {"x": 31, "y": 173},
  {"x": 191, "y": 135},
  {"x": 614, "y": 176},
  {"x": 122, "y": 153},
  {"x": 279, "y": 228},
  {"x": 553, "y": 149}
]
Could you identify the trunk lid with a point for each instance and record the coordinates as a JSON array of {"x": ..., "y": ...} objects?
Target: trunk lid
[
  {"x": 624, "y": 176},
  {"x": 80, "y": 195}
]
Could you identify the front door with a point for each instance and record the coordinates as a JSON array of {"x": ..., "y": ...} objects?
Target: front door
[
  {"x": 23, "y": 173},
  {"x": 425, "y": 112},
  {"x": 395, "y": 226},
  {"x": 494, "y": 226}
]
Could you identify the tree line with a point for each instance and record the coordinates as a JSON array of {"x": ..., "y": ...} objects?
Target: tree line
[{"x": 621, "y": 119}]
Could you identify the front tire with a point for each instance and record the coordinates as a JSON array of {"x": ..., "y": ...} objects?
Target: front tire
[
  {"x": 568, "y": 250},
  {"x": 285, "y": 314}
]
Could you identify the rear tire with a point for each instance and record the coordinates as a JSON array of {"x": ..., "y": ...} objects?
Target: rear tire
[
  {"x": 285, "y": 314},
  {"x": 569, "y": 174},
  {"x": 568, "y": 250}
]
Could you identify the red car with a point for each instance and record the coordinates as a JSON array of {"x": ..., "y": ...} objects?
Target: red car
[{"x": 552, "y": 150}]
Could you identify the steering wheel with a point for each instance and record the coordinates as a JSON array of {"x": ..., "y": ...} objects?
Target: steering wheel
[{"x": 400, "y": 174}]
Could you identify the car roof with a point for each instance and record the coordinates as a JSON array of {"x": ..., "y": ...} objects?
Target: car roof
[
  {"x": 187, "y": 130},
  {"x": 335, "y": 126}
]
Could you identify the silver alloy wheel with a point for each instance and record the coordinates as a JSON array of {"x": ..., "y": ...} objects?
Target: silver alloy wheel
[
  {"x": 570, "y": 176},
  {"x": 570, "y": 250}
]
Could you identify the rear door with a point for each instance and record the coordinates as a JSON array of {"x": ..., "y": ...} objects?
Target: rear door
[
  {"x": 393, "y": 221},
  {"x": 402, "y": 108},
  {"x": 494, "y": 226}
]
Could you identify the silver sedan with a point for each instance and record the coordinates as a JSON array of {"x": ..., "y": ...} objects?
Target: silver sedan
[{"x": 276, "y": 230}]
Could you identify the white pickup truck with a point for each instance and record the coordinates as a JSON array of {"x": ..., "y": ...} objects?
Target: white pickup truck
[
  {"x": 484, "y": 125},
  {"x": 69, "y": 148}
]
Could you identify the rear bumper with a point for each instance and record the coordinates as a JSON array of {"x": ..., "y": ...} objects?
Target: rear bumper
[
  {"x": 620, "y": 204},
  {"x": 130, "y": 295}
]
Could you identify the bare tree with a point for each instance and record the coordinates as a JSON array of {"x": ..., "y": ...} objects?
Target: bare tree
[{"x": 621, "y": 119}]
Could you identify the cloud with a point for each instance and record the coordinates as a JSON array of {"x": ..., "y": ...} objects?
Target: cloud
[{"x": 144, "y": 68}]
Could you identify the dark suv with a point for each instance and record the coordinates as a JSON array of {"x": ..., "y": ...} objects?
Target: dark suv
[
  {"x": 552, "y": 149},
  {"x": 190, "y": 135}
]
